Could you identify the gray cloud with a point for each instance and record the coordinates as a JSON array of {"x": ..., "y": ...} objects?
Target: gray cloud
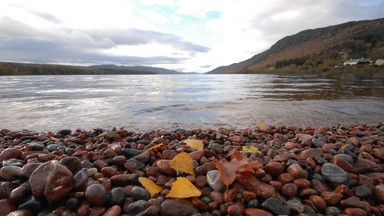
[{"x": 31, "y": 50}]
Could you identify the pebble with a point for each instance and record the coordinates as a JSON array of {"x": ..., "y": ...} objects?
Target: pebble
[
  {"x": 332, "y": 210},
  {"x": 276, "y": 206},
  {"x": 334, "y": 174},
  {"x": 135, "y": 207},
  {"x": 214, "y": 180},
  {"x": 256, "y": 212},
  {"x": 113, "y": 211},
  {"x": 52, "y": 180},
  {"x": 96, "y": 194},
  {"x": 72, "y": 163},
  {"x": 116, "y": 196},
  {"x": 176, "y": 208},
  {"x": 139, "y": 193},
  {"x": 10, "y": 172},
  {"x": 274, "y": 168}
]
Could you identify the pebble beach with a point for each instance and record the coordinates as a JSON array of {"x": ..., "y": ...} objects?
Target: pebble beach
[{"x": 335, "y": 170}]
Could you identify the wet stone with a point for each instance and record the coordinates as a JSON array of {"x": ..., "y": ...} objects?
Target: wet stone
[
  {"x": 143, "y": 158},
  {"x": 139, "y": 165},
  {"x": 21, "y": 212},
  {"x": 362, "y": 192},
  {"x": 13, "y": 162},
  {"x": 317, "y": 143},
  {"x": 9, "y": 153},
  {"x": 214, "y": 180},
  {"x": 334, "y": 174},
  {"x": 129, "y": 152},
  {"x": 150, "y": 211},
  {"x": 216, "y": 147},
  {"x": 135, "y": 207},
  {"x": 72, "y": 163},
  {"x": 139, "y": 193},
  {"x": 176, "y": 208},
  {"x": 5, "y": 207},
  {"x": 20, "y": 192},
  {"x": 116, "y": 196},
  {"x": 72, "y": 204},
  {"x": 256, "y": 212},
  {"x": 276, "y": 206},
  {"x": 10, "y": 173},
  {"x": 79, "y": 179},
  {"x": 31, "y": 203},
  {"x": 113, "y": 211},
  {"x": 28, "y": 169},
  {"x": 96, "y": 194},
  {"x": 253, "y": 203},
  {"x": 295, "y": 205},
  {"x": 332, "y": 210}
]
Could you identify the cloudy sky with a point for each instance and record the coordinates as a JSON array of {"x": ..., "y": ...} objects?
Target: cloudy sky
[{"x": 185, "y": 35}]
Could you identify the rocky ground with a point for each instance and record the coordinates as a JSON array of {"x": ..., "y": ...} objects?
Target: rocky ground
[{"x": 311, "y": 171}]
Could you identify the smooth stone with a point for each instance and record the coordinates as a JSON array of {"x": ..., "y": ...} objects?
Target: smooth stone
[
  {"x": 72, "y": 163},
  {"x": 79, "y": 179},
  {"x": 51, "y": 179},
  {"x": 378, "y": 192},
  {"x": 331, "y": 198},
  {"x": 290, "y": 189},
  {"x": 91, "y": 172},
  {"x": 72, "y": 203},
  {"x": 334, "y": 174},
  {"x": 332, "y": 210},
  {"x": 13, "y": 162},
  {"x": 317, "y": 143},
  {"x": 309, "y": 211},
  {"x": 139, "y": 165},
  {"x": 10, "y": 172},
  {"x": 274, "y": 168},
  {"x": 5, "y": 207},
  {"x": 165, "y": 167},
  {"x": 20, "y": 192},
  {"x": 96, "y": 194},
  {"x": 276, "y": 206},
  {"x": 116, "y": 196},
  {"x": 297, "y": 171},
  {"x": 28, "y": 169},
  {"x": 362, "y": 192},
  {"x": 9, "y": 153},
  {"x": 139, "y": 193},
  {"x": 64, "y": 132},
  {"x": 216, "y": 147},
  {"x": 355, "y": 211},
  {"x": 135, "y": 207},
  {"x": 6, "y": 189},
  {"x": 343, "y": 164},
  {"x": 214, "y": 180},
  {"x": 129, "y": 152},
  {"x": 176, "y": 208},
  {"x": 143, "y": 157},
  {"x": 31, "y": 203},
  {"x": 150, "y": 211},
  {"x": 253, "y": 184},
  {"x": 345, "y": 157},
  {"x": 86, "y": 164},
  {"x": 113, "y": 211},
  {"x": 253, "y": 203},
  {"x": 256, "y": 212},
  {"x": 21, "y": 212},
  {"x": 295, "y": 205}
]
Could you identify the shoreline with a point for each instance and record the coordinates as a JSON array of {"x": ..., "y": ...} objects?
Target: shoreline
[{"x": 295, "y": 171}]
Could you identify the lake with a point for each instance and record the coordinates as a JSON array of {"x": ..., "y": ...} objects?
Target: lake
[{"x": 146, "y": 102}]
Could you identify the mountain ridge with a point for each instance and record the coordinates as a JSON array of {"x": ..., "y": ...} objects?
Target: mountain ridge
[{"x": 312, "y": 46}]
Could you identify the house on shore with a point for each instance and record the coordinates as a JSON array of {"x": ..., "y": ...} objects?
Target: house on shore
[
  {"x": 379, "y": 62},
  {"x": 358, "y": 61}
]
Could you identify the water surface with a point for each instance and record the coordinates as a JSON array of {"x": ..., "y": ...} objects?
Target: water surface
[{"x": 145, "y": 102}]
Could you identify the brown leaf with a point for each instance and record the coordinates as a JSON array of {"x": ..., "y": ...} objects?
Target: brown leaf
[{"x": 239, "y": 163}]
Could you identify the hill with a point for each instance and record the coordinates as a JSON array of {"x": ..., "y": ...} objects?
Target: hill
[
  {"x": 321, "y": 49},
  {"x": 10, "y": 68}
]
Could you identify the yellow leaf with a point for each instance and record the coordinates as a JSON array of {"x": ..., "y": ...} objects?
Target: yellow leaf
[
  {"x": 196, "y": 144},
  {"x": 260, "y": 126},
  {"x": 151, "y": 187},
  {"x": 249, "y": 149},
  {"x": 182, "y": 162},
  {"x": 183, "y": 188},
  {"x": 154, "y": 147}
]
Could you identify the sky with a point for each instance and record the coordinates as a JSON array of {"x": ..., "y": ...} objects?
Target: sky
[{"x": 182, "y": 35}]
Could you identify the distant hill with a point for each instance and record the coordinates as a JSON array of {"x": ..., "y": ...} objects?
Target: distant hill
[
  {"x": 321, "y": 49},
  {"x": 155, "y": 70},
  {"x": 11, "y": 68}
]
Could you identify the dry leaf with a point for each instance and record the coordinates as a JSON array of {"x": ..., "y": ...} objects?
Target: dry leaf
[
  {"x": 260, "y": 126},
  {"x": 239, "y": 163},
  {"x": 182, "y": 162},
  {"x": 250, "y": 149},
  {"x": 151, "y": 187},
  {"x": 154, "y": 148},
  {"x": 52, "y": 136},
  {"x": 183, "y": 188},
  {"x": 196, "y": 144}
]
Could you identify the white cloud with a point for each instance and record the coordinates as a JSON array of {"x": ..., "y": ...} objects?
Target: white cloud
[{"x": 188, "y": 34}]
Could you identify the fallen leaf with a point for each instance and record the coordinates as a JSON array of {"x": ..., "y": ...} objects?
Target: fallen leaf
[
  {"x": 154, "y": 148},
  {"x": 196, "y": 144},
  {"x": 52, "y": 136},
  {"x": 182, "y": 162},
  {"x": 260, "y": 126},
  {"x": 151, "y": 187},
  {"x": 239, "y": 163},
  {"x": 183, "y": 188},
  {"x": 250, "y": 149}
]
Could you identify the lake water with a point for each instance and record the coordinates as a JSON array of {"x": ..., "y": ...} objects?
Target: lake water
[{"x": 146, "y": 102}]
